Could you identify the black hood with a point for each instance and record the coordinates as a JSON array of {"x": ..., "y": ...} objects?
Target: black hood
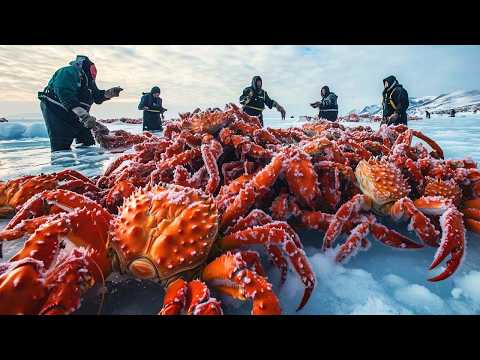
[
  {"x": 391, "y": 81},
  {"x": 84, "y": 63},
  {"x": 254, "y": 82},
  {"x": 327, "y": 91},
  {"x": 155, "y": 90}
]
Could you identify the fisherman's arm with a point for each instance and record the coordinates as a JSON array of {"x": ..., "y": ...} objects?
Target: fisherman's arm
[
  {"x": 272, "y": 103},
  {"x": 401, "y": 101},
  {"x": 99, "y": 96}
]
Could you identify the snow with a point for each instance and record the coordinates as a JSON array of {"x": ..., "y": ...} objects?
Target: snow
[
  {"x": 444, "y": 102},
  {"x": 382, "y": 280}
]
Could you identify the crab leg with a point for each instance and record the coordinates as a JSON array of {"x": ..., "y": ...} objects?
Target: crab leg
[
  {"x": 180, "y": 159},
  {"x": 21, "y": 287},
  {"x": 430, "y": 142},
  {"x": 353, "y": 242},
  {"x": 255, "y": 218},
  {"x": 56, "y": 201},
  {"x": 452, "y": 242},
  {"x": 210, "y": 161},
  {"x": 229, "y": 275},
  {"x": 70, "y": 281},
  {"x": 273, "y": 234},
  {"x": 246, "y": 197},
  {"x": 422, "y": 226},
  {"x": 343, "y": 215},
  {"x": 192, "y": 297}
]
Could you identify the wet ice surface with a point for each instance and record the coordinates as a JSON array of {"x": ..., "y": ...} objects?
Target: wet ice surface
[{"x": 381, "y": 280}]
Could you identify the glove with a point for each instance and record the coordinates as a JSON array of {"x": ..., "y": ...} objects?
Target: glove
[
  {"x": 393, "y": 118},
  {"x": 101, "y": 129},
  {"x": 85, "y": 118},
  {"x": 248, "y": 97},
  {"x": 113, "y": 92},
  {"x": 282, "y": 111}
]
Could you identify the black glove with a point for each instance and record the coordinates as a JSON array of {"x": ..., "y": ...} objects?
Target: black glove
[
  {"x": 85, "y": 118},
  {"x": 113, "y": 92}
]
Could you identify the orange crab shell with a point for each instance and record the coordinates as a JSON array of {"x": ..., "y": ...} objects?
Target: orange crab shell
[
  {"x": 207, "y": 122},
  {"x": 165, "y": 230},
  {"x": 381, "y": 181},
  {"x": 445, "y": 188}
]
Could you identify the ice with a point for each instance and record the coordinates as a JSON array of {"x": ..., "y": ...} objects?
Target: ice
[
  {"x": 420, "y": 299},
  {"x": 382, "y": 280},
  {"x": 468, "y": 286}
]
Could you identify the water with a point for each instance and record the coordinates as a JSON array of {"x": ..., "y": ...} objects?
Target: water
[{"x": 382, "y": 280}]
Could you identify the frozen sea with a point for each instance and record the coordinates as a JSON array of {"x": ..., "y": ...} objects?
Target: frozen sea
[{"x": 381, "y": 280}]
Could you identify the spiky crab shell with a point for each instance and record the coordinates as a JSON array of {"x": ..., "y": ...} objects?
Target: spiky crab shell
[
  {"x": 165, "y": 230},
  {"x": 445, "y": 188},
  {"x": 207, "y": 122},
  {"x": 381, "y": 181}
]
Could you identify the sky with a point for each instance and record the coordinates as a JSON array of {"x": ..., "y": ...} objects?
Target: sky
[{"x": 212, "y": 76}]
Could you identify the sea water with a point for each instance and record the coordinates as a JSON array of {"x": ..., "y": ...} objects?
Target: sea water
[{"x": 382, "y": 280}]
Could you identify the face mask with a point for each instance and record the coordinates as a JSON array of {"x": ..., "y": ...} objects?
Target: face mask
[{"x": 93, "y": 71}]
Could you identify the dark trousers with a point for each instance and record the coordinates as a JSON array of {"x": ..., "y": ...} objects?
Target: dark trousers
[
  {"x": 152, "y": 121},
  {"x": 63, "y": 128},
  {"x": 328, "y": 115},
  {"x": 253, "y": 112}
]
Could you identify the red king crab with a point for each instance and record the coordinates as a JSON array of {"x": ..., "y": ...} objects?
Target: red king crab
[{"x": 162, "y": 233}]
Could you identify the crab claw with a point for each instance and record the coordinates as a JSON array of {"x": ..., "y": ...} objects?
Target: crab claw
[
  {"x": 192, "y": 297},
  {"x": 343, "y": 215},
  {"x": 353, "y": 242},
  {"x": 278, "y": 234},
  {"x": 69, "y": 282},
  {"x": 392, "y": 238},
  {"x": 229, "y": 275},
  {"x": 452, "y": 242}
]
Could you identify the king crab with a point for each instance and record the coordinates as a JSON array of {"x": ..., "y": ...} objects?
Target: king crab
[{"x": 162, "y": 233}]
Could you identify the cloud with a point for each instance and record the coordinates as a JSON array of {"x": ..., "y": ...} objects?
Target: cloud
[{"x": 200, "y": 75}]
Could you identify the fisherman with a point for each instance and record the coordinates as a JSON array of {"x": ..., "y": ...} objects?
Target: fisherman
[
  {"x": 395, "y": 102},
  {"x": 254, "y": 99},
  {"x": 151, "y": 104},
  {"x": 427, "y": 114},
  {"x": 66, "y": 102},
  {"x": 452, "y": 113},
  {"x": 328, "y": 106}
]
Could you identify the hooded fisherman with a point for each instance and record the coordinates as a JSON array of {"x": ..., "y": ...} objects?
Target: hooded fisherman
[
  {"x": 395, "y": 102},
  {"x": 254, "y": 99},
  {"x": 66, "y": 102},
  {"x": 151, "y": 104},
  {"x": 328, "y": 106}
]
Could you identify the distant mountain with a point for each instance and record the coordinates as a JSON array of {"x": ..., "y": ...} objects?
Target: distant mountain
[{"x": 461, "y": 101}]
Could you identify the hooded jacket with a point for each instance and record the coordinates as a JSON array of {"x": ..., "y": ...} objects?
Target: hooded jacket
[
  {"x": 256, "y": 98},
  {"x": 328, "y": 106},
  {"x": 73, "y": 86},
  {"x": 152, "y": 102},
  {"x": 395, "y": 100}
]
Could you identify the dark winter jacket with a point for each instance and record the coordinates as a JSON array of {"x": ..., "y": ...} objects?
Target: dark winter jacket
[
  {"x": 255, "y": 99},
  {"x": 153, "y": 103},
  {"x": 151, "y": 116},
  {"x": 395, "y": 100},
  {"x": 328, "y": 106},
  {"x": 72, "y": 87}
]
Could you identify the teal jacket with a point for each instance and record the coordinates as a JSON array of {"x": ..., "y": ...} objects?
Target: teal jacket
[{"x": 71, "y": 87}]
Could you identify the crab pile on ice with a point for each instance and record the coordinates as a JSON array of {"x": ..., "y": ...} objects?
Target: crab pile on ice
[{"x": 186, "y": 208}]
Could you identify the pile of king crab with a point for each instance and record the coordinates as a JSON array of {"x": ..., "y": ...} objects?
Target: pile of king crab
[{"x": 186, "y": 208}]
